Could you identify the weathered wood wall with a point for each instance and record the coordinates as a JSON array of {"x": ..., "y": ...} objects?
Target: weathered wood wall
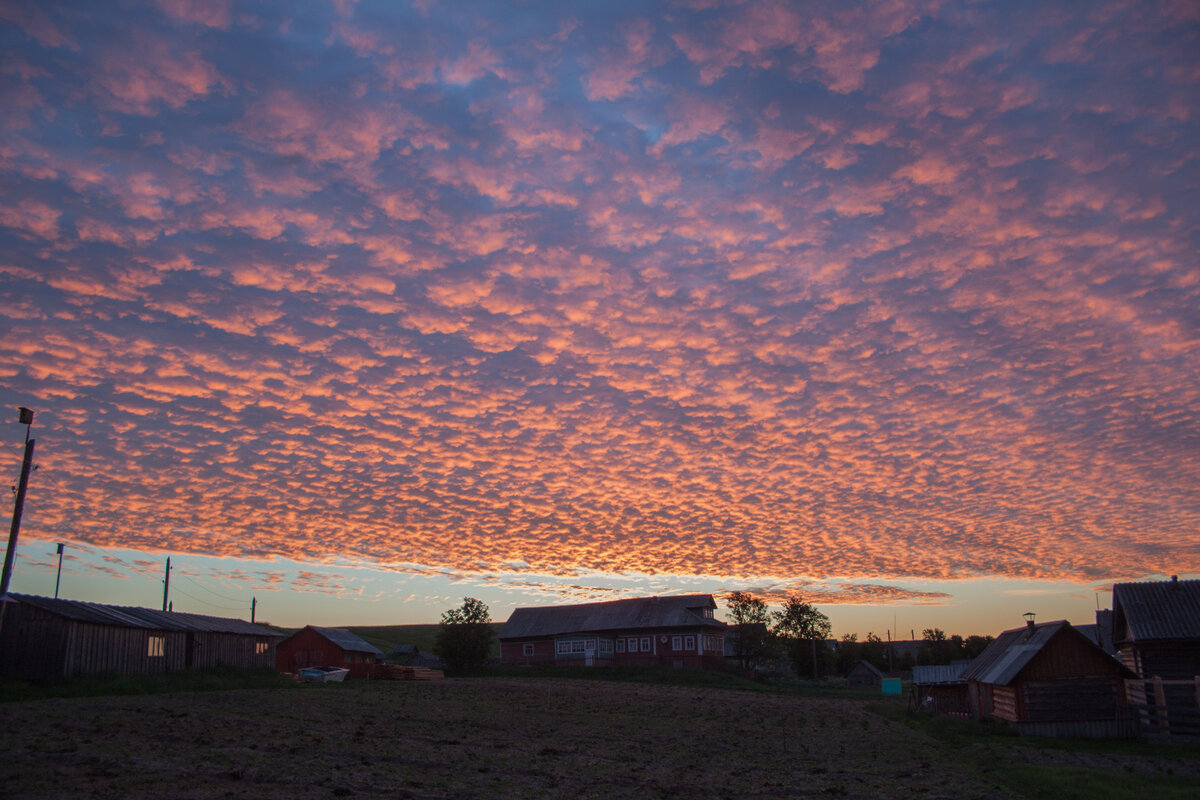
[{"x": 36, "y": 644}]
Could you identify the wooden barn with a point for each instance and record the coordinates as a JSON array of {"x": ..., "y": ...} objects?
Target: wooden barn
[
  {"x": 1156, "y": 629},
  {"x": 44, "y": 638},
  {"x": 677, "y": 631},
  {"x": 327, "y": 647},
  {"x": 1050, "y": 680}
]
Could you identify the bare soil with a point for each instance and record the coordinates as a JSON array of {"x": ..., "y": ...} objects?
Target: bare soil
[{"x": 470, "y": 738}]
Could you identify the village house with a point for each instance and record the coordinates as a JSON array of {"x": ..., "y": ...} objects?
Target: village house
[
  {"x": 45, "y": 637},
  {"x": 1156, "y": 630},
  {"x": 677, "y": 631},
  {"x": 327, "y": 647},
  {"x": 1048, "y": 679}
]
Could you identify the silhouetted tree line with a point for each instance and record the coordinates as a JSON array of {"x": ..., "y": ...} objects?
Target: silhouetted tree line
[
  {"x": 800, "y": 632},
  {"x": 936, "y": 648}
]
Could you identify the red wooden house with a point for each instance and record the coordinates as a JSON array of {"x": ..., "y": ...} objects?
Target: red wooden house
[
  {"x": 327, "y": 647},
  {"x": 1048, "y": 679},
  {"x": 676, "y": 631}
]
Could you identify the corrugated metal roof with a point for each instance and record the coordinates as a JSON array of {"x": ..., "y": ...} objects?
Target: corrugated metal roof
[
  {"x": 347, "y": 640},
  {"x": 1012, "y": 650},
  {"x": 148, "y": 618},
  {"x": 939, "y": 673},
  {"x": 674, "y": 611},
  {"x": 1159, "y": 609}
]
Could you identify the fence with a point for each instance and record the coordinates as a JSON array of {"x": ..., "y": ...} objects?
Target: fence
[{"x": 1165, "y": 708}]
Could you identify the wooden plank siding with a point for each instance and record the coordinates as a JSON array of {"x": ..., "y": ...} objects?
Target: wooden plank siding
[
  {"x": 1004, "y": 703},
  {"x": 39, "y": 644}
]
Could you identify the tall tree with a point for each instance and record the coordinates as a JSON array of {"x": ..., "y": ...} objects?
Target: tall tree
[
  {"x": 753, "y": 641},
  {"x": 465, "y": 635},
  {"x": 803, "y": 629}
]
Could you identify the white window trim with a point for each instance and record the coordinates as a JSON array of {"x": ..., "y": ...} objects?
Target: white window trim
[{"x": 527, "y": 649}]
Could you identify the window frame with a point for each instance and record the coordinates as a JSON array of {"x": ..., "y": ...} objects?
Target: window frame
[
  {"x": 527, "y": 649},
  {"x": 156, "y": 646}
]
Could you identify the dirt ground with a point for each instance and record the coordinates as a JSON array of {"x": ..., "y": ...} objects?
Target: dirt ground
[{"x": 469, "y": 738}]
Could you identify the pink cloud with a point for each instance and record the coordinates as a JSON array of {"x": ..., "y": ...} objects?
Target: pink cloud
[
  {"x": 31, "y": 217},
  {"x": 135, "y": 80},
  {"x": 613, "y": 77},
  {"x": 212, "y": 13}
]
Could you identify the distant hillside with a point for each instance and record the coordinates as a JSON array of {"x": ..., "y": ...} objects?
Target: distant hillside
[{"x": 386, "y": 637}]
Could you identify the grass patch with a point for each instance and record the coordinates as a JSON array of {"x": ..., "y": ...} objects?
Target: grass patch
[
  {"x": 1038, "y": 781},
  {"x": 1071, "y": 769},
  {"x": 190, "y": 680}
]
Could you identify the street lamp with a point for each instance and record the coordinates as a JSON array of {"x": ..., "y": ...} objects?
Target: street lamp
[{"x": 25, "y": 417}]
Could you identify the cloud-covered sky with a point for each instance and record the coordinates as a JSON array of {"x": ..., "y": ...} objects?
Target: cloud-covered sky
[{"x": 767, "y": 291}]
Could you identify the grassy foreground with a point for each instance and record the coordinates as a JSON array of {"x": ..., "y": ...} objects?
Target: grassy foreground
[{"x": 535, "y": 736}]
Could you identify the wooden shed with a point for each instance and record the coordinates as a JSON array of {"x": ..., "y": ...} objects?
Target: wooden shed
[
  {"x": 327, "y": 647},
  {"x": 864, "y": 673},
  {"x": 44, "y": 638},
  {"x": 1050, "y": 680},
  {"x": 942, "y": 689}
]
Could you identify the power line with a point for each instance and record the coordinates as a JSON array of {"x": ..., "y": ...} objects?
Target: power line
[
  {"x": 210, "y": 591},
  {"x": 207, "y": 603}
]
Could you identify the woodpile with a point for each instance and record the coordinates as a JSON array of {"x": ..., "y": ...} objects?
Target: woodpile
[{"x": 395, "y": 672}]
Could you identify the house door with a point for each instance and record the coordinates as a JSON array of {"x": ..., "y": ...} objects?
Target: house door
[{"x": 589, "y": 652}]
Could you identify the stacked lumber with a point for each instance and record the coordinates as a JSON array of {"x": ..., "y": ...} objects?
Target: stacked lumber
[{"x": 396, "y": 672}]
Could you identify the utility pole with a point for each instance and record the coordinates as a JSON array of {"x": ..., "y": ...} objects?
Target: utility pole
[
  {"x": 26, "y": 419},
  {"x": 253, "y": 606},
  {"x": 167, "y": 584},
  {"x": 58, "y": 578}
]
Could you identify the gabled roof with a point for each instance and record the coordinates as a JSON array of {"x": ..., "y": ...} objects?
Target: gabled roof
[
  {"x": 676, "y": 611},
  {"x": 1011, "y": 652},
  {"x": 147, "y": 618},
  {"x": 869, "y": 667},
  {"x": 1156, "y": 610},
  {"x": 929, "y": 675},
  {"x": 350, "y": 642}
]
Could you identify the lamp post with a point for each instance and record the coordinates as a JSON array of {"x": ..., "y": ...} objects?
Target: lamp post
[{"x": 26, "y": 418}]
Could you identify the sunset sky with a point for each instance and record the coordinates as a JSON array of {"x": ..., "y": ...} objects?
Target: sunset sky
[{"x": 359, "y": 308}]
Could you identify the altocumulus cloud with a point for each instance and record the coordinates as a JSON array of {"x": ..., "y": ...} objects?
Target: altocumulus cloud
[{"x": 786, "y": 289}]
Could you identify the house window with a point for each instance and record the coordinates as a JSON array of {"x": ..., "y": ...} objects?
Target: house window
[
  {"x": 577, "y": 646},
  {"x": 527, "y": 649},
  {"x": 689, "y": 643},
  {"x": 633, "y": 645},
  {"x": 676, "y": 642},
  {"x": 562, "y": 648},
  {"x": 260, "y": 648},
  {"x": 645, "y": 644},
  {"x": 157, "y": 646},
  {"x": 606, "y": 646}
]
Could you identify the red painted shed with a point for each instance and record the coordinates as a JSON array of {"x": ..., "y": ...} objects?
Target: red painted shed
[{"x": 327, "y": 647}]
